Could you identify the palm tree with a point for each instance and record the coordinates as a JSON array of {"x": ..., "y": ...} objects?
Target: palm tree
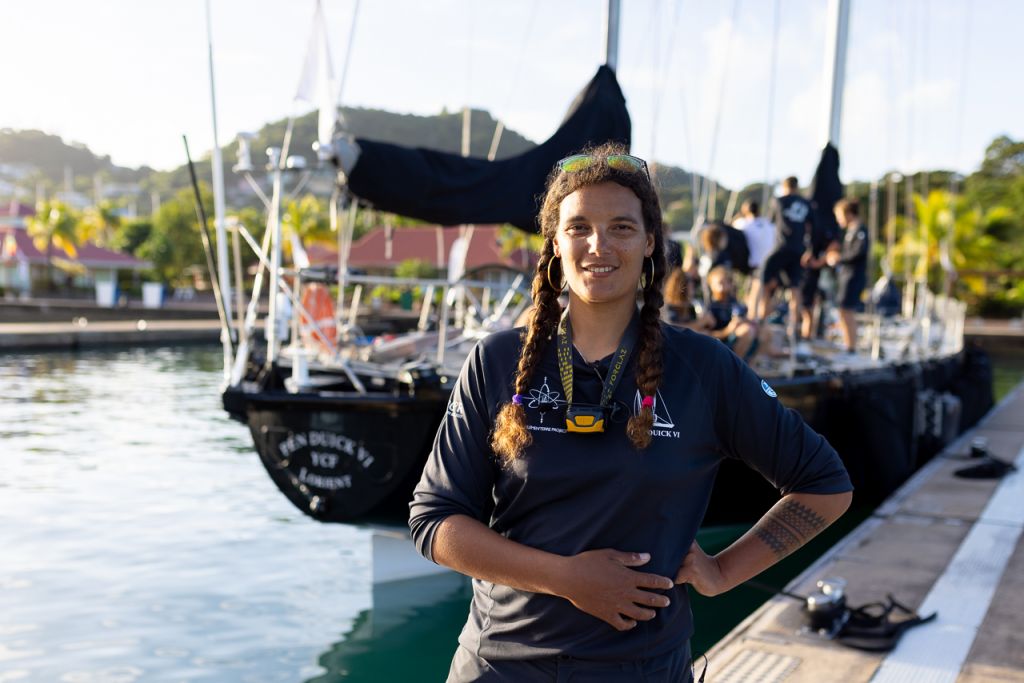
[
  {"x": 54, "y": 225},
  {"x": 941, "y": 218},
  {"x": 99, "y": 223}
]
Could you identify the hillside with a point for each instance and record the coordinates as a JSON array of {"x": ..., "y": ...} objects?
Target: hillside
[{"x": 50, "y": 155}]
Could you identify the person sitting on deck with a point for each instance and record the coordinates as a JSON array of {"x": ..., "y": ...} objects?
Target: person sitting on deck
[
  {"x": 678, "y": 308},
  {"x": 852, "y": 261},
  {"x": 724, "y": 317}
]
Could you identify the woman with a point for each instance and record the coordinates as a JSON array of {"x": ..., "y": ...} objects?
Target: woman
[{"x": 576, "y": 460}]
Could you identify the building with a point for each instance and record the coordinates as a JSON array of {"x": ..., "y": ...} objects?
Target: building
[
  {"x": 383, "y": 249},
  {"x": 23, "y": 267}
]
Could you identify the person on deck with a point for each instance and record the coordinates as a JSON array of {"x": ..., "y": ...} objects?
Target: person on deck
[
  {"x": 821, "y": 242},
  {"x": 760, "y": 234},
  {"x": 575, "y": 462},
  {"x": 782, "y": 266},
  {"x": 725, "y": 318},
  {"x": 851, "y": 260},
  {"x": 678, "y": 309}
]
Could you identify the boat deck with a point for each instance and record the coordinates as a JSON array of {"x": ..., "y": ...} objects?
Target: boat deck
[{"x": 940, "y": 543}]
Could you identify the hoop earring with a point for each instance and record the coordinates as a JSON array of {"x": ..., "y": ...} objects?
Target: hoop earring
[
  {"x": 646, "y": 281},
  {"x": 551, "y": 284}
]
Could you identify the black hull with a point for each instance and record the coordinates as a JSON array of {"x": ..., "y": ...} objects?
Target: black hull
[
  {"x": 343, "y": 458},
  {"x": 347, "y": 457}
]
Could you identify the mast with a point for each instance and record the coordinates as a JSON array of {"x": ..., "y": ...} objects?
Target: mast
[
  {"x": 611, "y": 58},
  {"x": 835, "y": 66},
  {"x": 218, "y": 203}
]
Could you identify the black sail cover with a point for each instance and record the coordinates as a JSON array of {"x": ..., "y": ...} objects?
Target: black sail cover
[
  {"x": 826, "y": 190},
  {"x": 449, "y": 189}
]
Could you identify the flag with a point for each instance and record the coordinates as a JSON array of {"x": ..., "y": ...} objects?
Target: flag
[{"x": 317, "y": 85}]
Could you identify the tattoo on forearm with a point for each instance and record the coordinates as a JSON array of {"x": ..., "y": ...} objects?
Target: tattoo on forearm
[{"x": 788, "y": 526}]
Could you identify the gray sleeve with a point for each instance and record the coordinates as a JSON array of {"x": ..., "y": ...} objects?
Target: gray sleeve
[
  {"x": 856, "y": 249},
  {"x": 754, "y": 426},
  {"x": 458, "y": 477}
]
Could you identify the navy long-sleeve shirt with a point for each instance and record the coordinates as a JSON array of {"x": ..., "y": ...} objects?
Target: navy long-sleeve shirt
[
  {"x": 570, "y": 492},
  {"x": 854, "y": 250}
]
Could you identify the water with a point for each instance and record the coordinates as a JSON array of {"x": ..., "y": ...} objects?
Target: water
[{"x": 141, "y": 540}]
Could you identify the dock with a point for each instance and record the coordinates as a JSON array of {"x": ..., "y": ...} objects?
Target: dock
[
  {"x": 78, "y": 335},
  {"x": 941, "y": 544}
]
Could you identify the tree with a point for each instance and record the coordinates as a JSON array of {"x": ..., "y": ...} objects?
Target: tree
[
  {"x": 972, "y": 245},
  {"x": 99, "y": 224},
  {"x": 175, "y": 245},
  {"x": 307, "y": 219},
  {"x": 130, "y": 235},
  {"x": 53, "y": 226}
]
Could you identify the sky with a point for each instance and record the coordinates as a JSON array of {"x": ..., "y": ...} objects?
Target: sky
[{"x": 929, "y": 83}]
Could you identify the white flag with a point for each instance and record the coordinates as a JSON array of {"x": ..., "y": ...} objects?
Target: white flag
[{"x": 317, "y": 85}]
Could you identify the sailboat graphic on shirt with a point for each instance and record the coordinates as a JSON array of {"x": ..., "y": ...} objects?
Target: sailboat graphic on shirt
[{"x": 662, "y": 418}]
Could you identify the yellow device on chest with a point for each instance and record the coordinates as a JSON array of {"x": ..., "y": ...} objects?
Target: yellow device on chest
[{"x": 590, "y": 419}]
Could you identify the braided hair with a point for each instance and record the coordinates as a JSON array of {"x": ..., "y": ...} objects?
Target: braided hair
[{"x": 510, "y": 436}]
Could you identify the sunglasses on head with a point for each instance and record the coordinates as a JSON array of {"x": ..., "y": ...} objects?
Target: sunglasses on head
[{"x": 620, "y": 162}]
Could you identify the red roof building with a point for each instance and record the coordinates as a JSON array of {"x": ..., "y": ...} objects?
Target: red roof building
[
  {"x": 383, "y": 249},
  {"x": 22, "y": 264}
]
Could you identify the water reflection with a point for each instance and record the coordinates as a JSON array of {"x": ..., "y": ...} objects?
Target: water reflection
[{"x": 409, "y": 634}]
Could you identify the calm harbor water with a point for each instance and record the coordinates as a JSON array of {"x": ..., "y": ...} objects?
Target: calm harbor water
[{"x": 141, "y": 540}]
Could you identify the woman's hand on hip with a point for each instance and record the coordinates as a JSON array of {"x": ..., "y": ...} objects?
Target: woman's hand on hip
[
  {"x": 603, "y": 584},
  {"x": 702, "y": 571}
]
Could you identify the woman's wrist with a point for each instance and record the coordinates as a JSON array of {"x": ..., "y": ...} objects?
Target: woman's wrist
[{"x": 554, "y": 574}]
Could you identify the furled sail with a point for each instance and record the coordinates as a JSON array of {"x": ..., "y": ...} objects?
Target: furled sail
[
  {"x": 826, "y": 190},
  {"x": 450, "y": 190}
]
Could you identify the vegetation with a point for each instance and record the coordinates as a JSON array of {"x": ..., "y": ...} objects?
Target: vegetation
[
  {"x": 983, "y": 224},
  {"x": 54, "y": 225}
]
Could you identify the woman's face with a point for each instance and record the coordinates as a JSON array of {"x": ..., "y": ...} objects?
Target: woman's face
[{"x": 602, "y": 241}]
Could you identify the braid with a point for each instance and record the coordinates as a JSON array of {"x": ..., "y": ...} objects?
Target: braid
[
  {"x": 649, "y": 360},
  {"x": 510, "y": 435}
]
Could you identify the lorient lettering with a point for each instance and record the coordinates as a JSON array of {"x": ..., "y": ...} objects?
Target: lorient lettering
[{"x": 328, "y": 483}]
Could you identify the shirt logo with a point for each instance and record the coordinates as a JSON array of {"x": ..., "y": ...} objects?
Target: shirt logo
[
  {"x": 663, "y": 422},
  {"x": 544, "y": 399},
  {"x": 768, "y": 390},
  {"x": 455, "y": 409},
  {"x": 662, "y": 418},
  {"x": 796, "y": 212}
]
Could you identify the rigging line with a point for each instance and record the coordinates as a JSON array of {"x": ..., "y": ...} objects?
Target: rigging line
[
  {"x": 655, "y": 37},
  {"x": 348, "y": 59},
  {"x": 665, "y": 70},
  {"x": 773, "y": 74},
  {"x": 962, "y": 90},
  {"x": 924, "y": 80},
  {"x": 499, "y": 127},
  {"x": 911, "y": 73},
  {"x": 690, "y": 157},
  {"x": 721, "y": 99}
]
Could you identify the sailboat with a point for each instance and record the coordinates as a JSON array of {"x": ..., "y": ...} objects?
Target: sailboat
[{"x": 343, "y": 429}]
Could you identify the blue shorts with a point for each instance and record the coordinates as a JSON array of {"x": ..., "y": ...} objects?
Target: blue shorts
[
  {"x": 851, "y": 286},
  {"x": 783, "y": 266},
  {"x": 673, "y": 667},
  {"x": 809, "y": 287}
]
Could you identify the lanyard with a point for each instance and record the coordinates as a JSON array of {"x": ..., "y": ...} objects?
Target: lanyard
[{"x": 591, "y": 418}]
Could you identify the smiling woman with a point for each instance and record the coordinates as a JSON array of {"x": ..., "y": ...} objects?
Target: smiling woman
[{"x": 576, "y": 511}]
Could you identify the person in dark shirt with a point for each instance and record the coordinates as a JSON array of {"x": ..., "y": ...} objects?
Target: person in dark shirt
[
  {"x": 823, "y": 239},
  {"x": 725, "y": 318},
  {"x": 851, "y": 259},
  {"x": 782, "y": 267},
  {"x": 575, "y": 463}
]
